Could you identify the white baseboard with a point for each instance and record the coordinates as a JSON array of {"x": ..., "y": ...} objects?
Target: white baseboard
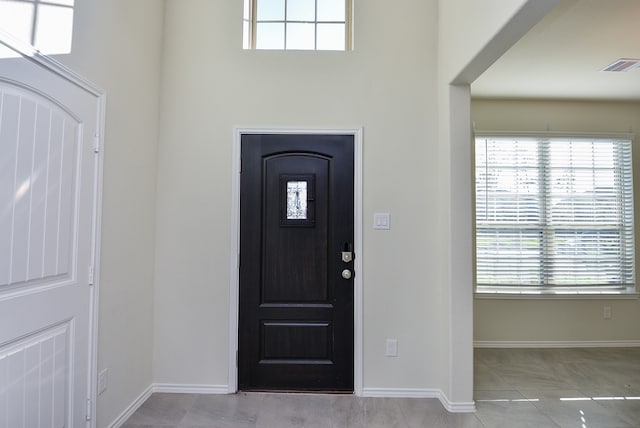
[
  {"x": 450, "y": 406},
  {"x": 457, "y": 407},
  {"x": 557, "y": 344},
  {"x": 166, "y": 388},
  {"x": 401, "y": 392},
  {"x": 190, "y": 389},
  {"x": 126, "y": 414}
]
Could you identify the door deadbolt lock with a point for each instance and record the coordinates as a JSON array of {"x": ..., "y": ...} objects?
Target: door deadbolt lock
[
  {"x": 347, "y": 256},
  {"x": 346, "y": 274}
]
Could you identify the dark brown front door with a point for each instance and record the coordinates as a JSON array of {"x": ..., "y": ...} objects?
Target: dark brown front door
[{"x": 296, "y": 221}]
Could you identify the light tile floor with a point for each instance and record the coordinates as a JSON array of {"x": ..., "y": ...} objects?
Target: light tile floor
[
  {"x": 545, "y": 388},
  {"x": 258, "y": 410},
  {"x": 582, "y": 388}
]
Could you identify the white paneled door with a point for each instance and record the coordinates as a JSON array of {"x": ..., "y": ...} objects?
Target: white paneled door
[{"x": 49, "y": 176}]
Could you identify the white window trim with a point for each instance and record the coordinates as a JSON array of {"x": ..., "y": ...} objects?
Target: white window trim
[
  {"x": 249, "y": 17},
  {"x": 545, "y": 295},
  {"x": 516, "y": 293}
]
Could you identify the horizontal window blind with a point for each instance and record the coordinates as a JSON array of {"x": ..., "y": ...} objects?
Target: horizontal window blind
[{"x": 554, "y": 213}]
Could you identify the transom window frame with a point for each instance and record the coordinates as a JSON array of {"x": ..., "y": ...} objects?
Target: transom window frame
[
  {"x": 250, "y": 23},
  {"x": 484, "y": 290},
  {"x": 35, "y": 26}
]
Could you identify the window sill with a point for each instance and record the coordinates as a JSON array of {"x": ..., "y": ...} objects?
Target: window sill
[{"x": 557, "y": 295}]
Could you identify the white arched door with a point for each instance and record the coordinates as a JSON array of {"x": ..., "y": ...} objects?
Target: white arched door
[{"x": 49, "y": 193}]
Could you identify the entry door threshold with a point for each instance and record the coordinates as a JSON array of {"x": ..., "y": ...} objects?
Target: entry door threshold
[{"x": 295, "y": 392}]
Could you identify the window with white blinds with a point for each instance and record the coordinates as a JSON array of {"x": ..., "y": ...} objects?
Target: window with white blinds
[{"x": 554, "y": 214}]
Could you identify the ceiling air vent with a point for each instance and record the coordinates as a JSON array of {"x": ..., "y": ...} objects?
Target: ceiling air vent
[{"x": 623, "y": 64}]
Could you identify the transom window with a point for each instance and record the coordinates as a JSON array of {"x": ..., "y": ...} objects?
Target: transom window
[
  {"x": 554, "y": 215},
  {"x": 45, "y": 24},
  {"x": 297, "y": 24}
]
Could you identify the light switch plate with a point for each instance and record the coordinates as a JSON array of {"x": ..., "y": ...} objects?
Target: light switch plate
[{"x": 382, "y": 221}]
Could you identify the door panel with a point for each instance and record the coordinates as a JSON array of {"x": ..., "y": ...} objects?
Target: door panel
[
  {"x": 48, "y": 185},
  {"x": 296, "y": 271},
  {"x": 296, "y": 217}
]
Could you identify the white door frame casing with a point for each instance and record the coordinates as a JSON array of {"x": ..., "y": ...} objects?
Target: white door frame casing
[{"x": 234, "y": 282}]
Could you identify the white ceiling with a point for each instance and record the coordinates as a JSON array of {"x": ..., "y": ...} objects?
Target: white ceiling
[{"x": 561, "y": 57}]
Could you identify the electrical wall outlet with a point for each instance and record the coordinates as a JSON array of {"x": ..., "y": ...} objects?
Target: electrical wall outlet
[
  {"x": 382, "y": 221},
  {"x": 102, "y": 381},
  {"x": 391, "y": 348},
  {"x": 606, "y": 312}
]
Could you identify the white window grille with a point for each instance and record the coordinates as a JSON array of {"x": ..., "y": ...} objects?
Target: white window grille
[{"x": 297, "y": 24}]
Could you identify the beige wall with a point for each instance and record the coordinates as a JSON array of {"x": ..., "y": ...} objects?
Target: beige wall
[
  {"x": 387, "y": 86},
  {"x": 567, "y": 319},
  {"x": 470, "y": 26},
  {"x": 174, "y": 328},
  {"x": 116, "y": 44},
  {"x": 471, "y": 36}
]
